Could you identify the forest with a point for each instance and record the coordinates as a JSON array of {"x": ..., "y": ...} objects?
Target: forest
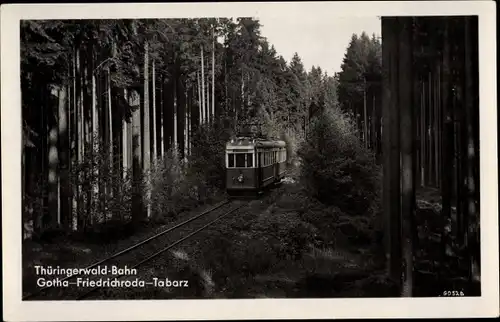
[
  {"x": 106, "y": 101},
  {"x": 125, "y": 121}
]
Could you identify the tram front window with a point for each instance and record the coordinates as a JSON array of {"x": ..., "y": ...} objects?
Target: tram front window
[
  {"x": 240, "y": 160},
  {"x": 230, "y": 158},
  {"x": 249, "y": 160}
]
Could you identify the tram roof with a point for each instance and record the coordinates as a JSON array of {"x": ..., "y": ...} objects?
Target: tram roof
[{"x": 255, "y": 142}]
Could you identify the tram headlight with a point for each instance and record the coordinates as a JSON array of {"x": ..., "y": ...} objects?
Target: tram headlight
[{"x": 240, "y": 178}]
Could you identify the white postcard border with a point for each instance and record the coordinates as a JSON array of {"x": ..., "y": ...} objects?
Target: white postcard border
[{"x": 16, "y": 310}]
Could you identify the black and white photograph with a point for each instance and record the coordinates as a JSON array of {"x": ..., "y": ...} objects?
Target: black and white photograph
[{"x": 256, "y": 152}]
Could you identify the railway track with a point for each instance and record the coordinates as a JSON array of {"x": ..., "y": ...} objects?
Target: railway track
[{"x": 80, "y": 286}]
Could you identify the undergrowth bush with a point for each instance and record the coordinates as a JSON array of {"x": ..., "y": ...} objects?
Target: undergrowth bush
[
  {"x": 174, "y": 188},
  {"x": 336, "y": 168},
  {"x": 178, "y": 185},
  {"x": 342, "y": 175},
  {"x": 102, "y": 191},
  {"x": 167, "y": 176},
  {"x": 274, "y": 239}
]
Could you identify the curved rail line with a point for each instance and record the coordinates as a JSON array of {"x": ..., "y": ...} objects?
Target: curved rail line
[
  {"x": 147, "y": 259},
  {"x": 129, "y": 249}
]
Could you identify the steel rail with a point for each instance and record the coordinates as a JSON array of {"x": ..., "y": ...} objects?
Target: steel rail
[
  {"x": 122, "y": 252},
  {"x": 163, "y": 250}
]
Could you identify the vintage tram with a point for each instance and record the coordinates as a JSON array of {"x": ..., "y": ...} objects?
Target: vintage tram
[{"x": 253, "y": 164}]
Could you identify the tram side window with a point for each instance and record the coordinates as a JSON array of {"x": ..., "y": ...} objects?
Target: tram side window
[
  {"x": 249, "y": 160},
  {"x": 230, "y": 157},
  {"x": 240, "y": 160}
]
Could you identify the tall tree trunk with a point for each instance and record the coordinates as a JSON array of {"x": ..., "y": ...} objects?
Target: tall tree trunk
[
  {"x": 169, "y": 113},
  {"x": 439, "y": 125},
  {"x": 70, "y": 115},
  {"x": 378, "y": 129},
  {"x": 130, "y": 147},
  {"x": 125, "y": 143},
  {"x": 112, "y": 185},
  {"x": 74, "y": 144},
  {"x": 102, "y": 136},
  {"x": 51, "y": 219},
  {"x": 175, "y": 139},
  {"x": 447, "y": 140},
  {"x": 190, "y": 118},
  {"x": 180, "y": 115},
  {"x": 145, "y": 136},
  {"x": 249, "y": 99},
  {"x": 153, "y": 111},
  {"x": 89, "y": 141},
  {"x": 125, "y": 164},
  {"x": 373, "y": 128},
  {"x": 430, "y": 132},
  {"x": 158, "y": 112},
  {"x": 391, "y": 152},
  {"x": 365, "y": 115},
  {"x": 422, "y": 137},
  {"x": 208, "y": 109},
  {"x": 203, "y": 106},
  {"x": 104, "y": 125},
  {"x": 137, "y": 202},
  {"x": 407, "y": 138},
  {"x": 110, "y": 119},
  {"x": 471, "y": 220},
  {"x": 186, "y": 125},
  {"x": 213, "y": 74},
  {"x": 161, "y": 113},
  {"x": 41, "y": 216},
  {"x": 437, "y": 109},
  {"x": 66, "y": 209},
  {"x": 63, "y": 159},
  {"x": 166, "y": 114},
  {"x": 82, "y": 104},
  {"x": 458, "y": 140},
  {"x": 95, "y": 125},
  {"x": 200, "y": 99},
  {"x": 80, "y": 220}
]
